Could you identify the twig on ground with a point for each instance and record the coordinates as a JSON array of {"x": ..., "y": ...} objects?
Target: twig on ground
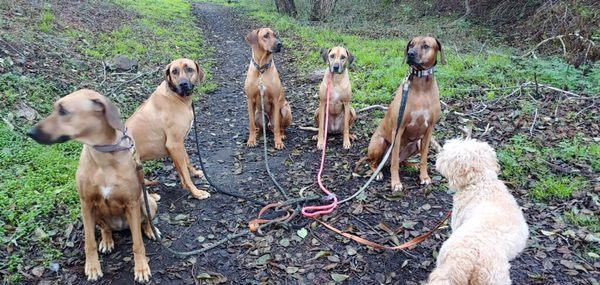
[
  {"x": 560, "y": 38},
  {"x": 133, "y": 79},
  {"x": 533, "y": 123},
  {"x": 486, "y": 131},
  {"x": 104, "y": 73},
  {"x": 381, "y": 107}
]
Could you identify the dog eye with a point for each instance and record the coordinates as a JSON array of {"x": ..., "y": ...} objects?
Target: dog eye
[
  {"x": 266, "y": 36},
  {"x": 343, "y": 57},
  {"x": 425, "y": 46},
  {"x": 174, "y": 71},
  {"x": 332, "y": 56},
  {"x": 189, "y": 69},
  {"x": 62, "y": 111}
]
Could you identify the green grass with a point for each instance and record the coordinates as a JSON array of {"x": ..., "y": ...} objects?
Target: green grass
[
  {"x": 379, "y": 66},
  {"x": 37, "y": 183},
  {"x": 525, "y": 164}
]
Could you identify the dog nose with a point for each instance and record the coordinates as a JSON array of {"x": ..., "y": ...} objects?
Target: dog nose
[
  {"x": 279, "y": 45},
  {"x": 411, "y": 54},
  {"x": 185, "y": 85},
  {"x": 32, "y": 133}
]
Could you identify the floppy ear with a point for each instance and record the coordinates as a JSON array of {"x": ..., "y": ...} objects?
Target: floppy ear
[
  {"x": 111, "y": 113},
  {"x": 167, "y": 73},
  {"x": 325, "y": 55},
  {"x": 200, "y": 72},
  {"x": 350, "y": 57},
  {"x": 252, "y": 37},
  {"x": 406, "y": 50},
  {"x": 442, "y": 56}
]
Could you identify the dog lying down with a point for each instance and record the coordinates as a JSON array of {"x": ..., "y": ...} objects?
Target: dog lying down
[{"x": 488, "y": 227}]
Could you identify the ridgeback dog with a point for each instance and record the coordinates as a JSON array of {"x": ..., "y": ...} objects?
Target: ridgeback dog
[
  {"x": 159, "y": 126},
  {"x": 107, "y": 180},
  {"x": 277, "y": 110},
  {"x": 341, "y": 114},
  {"x": 421, "y": 114}
]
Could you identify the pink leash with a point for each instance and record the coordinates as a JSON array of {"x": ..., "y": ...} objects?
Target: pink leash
[{"x": 314, "y": 211}]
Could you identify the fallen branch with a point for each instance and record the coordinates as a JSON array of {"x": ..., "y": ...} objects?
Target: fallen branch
[
  {"x": 533, "y": 123},
  {"x": 380, "y": 107},
  {"x": 560, "y": 38}
]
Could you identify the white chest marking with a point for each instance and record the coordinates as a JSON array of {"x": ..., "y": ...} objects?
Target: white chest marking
[
  {"x": 414, "y": 115},
  {"x": 105, "y": 190}
]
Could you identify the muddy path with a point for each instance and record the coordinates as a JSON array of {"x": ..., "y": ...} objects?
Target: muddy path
[{"x": 279, "y": 255}]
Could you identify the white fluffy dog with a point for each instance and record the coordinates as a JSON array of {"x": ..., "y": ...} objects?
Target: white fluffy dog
[{"x": 488, "y": 227}]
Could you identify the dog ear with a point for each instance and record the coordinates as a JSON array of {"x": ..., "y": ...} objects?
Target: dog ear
[
  {"x": 200, "y": 72},
  {"x": 167, "y": 73},
  {"x": 325, "y": 55},
  {"x": 350, "y": 57},
  {"x": 111, "y": 113},
  {"x": 252, "y": 37},
  {"x": 442, "y": 56}
]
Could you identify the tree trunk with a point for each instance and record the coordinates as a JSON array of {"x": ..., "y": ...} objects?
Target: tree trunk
[
  {"x": 321, "y": 9},
  {"x": 286, "y": 7}
]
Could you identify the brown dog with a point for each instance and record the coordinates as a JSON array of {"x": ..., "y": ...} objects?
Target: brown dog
[
  {"x": 107, "y": 179},
  {"x": 159, "y": 126},
  {"x": 421, "y": 113},
  {"x": 278, "y": 112},
  {"x": 341, "y": 114}
]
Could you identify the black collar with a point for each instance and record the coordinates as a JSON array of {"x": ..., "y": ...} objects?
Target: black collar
[
  {"x": 261, "y": 69},
  {"x": 116, "y": 147}
]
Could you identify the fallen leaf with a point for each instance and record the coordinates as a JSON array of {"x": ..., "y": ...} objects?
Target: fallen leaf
[
  {"x": 263, "y": 259},
  {"x": 339, "y": 278},
  {"x": 302, "y": 232},
  {"x": 284, "y": 242},
  {"x": 291, "y": 269}
]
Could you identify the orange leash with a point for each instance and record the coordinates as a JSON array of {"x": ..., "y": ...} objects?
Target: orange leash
[{"x": 407, "y": 244}]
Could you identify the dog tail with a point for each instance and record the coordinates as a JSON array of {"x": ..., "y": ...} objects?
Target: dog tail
[{"x": 359, "y": 162}]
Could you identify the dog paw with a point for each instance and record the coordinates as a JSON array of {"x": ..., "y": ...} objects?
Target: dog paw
[
  {"x": 92, "y": 270},
  {"x": 320, "y": 145},
  {"x": 106, "y": 245},
  {"x": 379, "y": 176},
  {"x": 142, "y": 272},
  {"x": 200, "y": 194},
  {"x": 425, "y": 180},
  {"x": 396, "y": 187},
  {"x": 353, "y": 137},
  {"x": 251, "y": 142},
  {"x": 150, "y": 234},
  {"x": 315, "y": 137},
  {"x": 279, "y": 145},
  {"x": 198, "y": 173},
  {"x": 347, "y": 144}
]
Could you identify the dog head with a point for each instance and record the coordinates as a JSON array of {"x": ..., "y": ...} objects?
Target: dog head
[
  {"x": 338, "y": 59},
  {"x": 182, "y": 75},
  {"x": 264, "y": 39},
  {"x": 465, "y": 162},
  {"x": 421, "y": 52},
  {"x": 81, "y": 116}
]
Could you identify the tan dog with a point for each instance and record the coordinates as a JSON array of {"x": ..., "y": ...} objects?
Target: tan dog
[
  {"x": 341, "y": 114},
  {"x": 488, "y": 226},
  {"x": 107, "y": 180},
  {"x": 278, "y": 112},
  {"x": 421, "y": 113},
  {"x": 159, "y": 126}
]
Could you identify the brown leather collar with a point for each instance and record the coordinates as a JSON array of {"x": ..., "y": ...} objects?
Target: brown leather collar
[{"x": 118, "y": 146}]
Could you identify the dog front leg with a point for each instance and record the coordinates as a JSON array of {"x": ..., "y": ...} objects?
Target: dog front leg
[
  {"x": 92, "y": 265},
  {"x": 347, "y": 118},
  {"x": 424, "y": 176},
  {"x": 176, "y": 151},
  {"x": 141, "y": 272},
  {"x": 395, "y": 164},
  {"x": 321, "y": 133},
  {"x": 191, "y": 168},
  {"x": 277, "y": 124},
  {"x": 252, "y": 121}
]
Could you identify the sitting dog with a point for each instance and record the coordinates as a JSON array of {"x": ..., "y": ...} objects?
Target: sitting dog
[
  {"x": 488, "y": 227},
  {"x": 159, "y": 126},
  {"x": 277, "y": 110},
  {"x": 341, "y": 114},
  {"x": 421, "y": 114},
  {"x": 107, "y": 180}
]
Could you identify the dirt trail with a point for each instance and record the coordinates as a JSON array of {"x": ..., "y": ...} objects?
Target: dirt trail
[{"x": 278, "y": 256}]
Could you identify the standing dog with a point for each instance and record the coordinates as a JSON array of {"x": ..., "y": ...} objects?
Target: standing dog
[
  {"x": 159, "y": 126},
  {"x": 107, "y": 180},
  {"x": 421, "y": 114},
  {"x": 341, "y": 114},
  {"x": 488, "y": 227},
  {"x": 277, "y": 110}
]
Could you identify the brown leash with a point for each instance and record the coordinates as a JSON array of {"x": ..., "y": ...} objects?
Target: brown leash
[{"x": 366, "y": 242}]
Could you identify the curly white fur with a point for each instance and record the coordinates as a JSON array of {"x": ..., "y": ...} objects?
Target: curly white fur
[{"x": 488, "y": 226}]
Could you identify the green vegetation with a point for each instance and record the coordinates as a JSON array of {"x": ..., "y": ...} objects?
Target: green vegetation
[
  {"x": 37, "y": 183},
  {"x": 526, "y": 163},
  {"x": 379, "y": 67}
]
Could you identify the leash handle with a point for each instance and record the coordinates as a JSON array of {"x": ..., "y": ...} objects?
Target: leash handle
[{"x": 314, "y": 211}]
